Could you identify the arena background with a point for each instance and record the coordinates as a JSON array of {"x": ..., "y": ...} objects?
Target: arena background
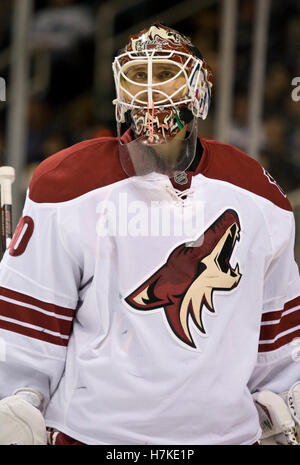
[{"x": 55, "y": 58}]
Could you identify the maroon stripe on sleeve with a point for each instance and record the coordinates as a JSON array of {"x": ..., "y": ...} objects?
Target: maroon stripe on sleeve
[
  {"x": 271, "y": 316},
  {"x": 34, "y": 317},
  {"x": 280, "y": 327},
  {"x": 292, "y": 303},
  {"x": 279, "y": 342},
  {"x": 286, "y": 322},
  {"x": 26, "y": 299},
  {"x": 33, "y": 333},
  {"x": 276, "y": 314}
]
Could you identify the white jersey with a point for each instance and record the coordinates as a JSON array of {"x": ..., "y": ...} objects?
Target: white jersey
[{"x": 147, "y": 313}]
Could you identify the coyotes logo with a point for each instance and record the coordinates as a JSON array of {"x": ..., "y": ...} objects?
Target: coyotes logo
[{"x": 191, "y": 274}]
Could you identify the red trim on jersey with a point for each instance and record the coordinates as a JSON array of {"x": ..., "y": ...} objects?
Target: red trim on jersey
[
  {"x": 277, "y": 314},
  {"x": 284, "y": 323},
  {"x": 36, "y": 334},
  {"x": 282, "y": 341},
  {"x": 26, "y": 299},
  {"x": 77, "y": 170},
  {"x": 35, "y": 318},
  {"x": 280, "y": 327},
  {"x": 227, "y": 163},
  {"x": 25, "y": 315},
  {"x": 61, "y": 439},
  {"x": 95, "y": 163}
]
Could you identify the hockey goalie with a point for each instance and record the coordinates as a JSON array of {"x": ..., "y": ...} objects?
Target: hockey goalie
[{"x": 150, "y": 293}]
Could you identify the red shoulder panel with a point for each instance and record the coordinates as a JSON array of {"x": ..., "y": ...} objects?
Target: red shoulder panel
[
  {"x": 227, "y": 163},
  {"x": 77, "y": 170}
]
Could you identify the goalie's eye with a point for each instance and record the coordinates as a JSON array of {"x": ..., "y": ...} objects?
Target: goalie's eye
[
  {"x": 165, "y": 75},
  {"x": 140, "y": 76},
  {"x": 137, "y": 74}
]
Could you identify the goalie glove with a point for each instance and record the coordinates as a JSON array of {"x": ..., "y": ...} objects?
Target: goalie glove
[
  {"x": 292, "y": 399},
  {"x": 279, "y": 418},
  {"x": 21, "y": 422}
]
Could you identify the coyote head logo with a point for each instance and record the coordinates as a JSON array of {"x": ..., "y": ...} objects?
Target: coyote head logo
[{"x": 192, "y": 272}]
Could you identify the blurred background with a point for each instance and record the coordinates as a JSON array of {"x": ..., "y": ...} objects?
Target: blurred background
[{"x": 56, "y": 55}]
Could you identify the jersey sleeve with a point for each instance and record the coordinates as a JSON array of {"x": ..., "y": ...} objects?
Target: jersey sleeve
[
  {"x": 39, "y": 281},
  {"x": 278, "y": 362}
]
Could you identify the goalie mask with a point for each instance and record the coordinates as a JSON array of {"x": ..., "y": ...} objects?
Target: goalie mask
[{"x": 163, "y": 85}]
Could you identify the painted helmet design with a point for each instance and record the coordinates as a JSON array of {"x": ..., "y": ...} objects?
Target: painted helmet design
[{"x": 162, "y": 82}]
